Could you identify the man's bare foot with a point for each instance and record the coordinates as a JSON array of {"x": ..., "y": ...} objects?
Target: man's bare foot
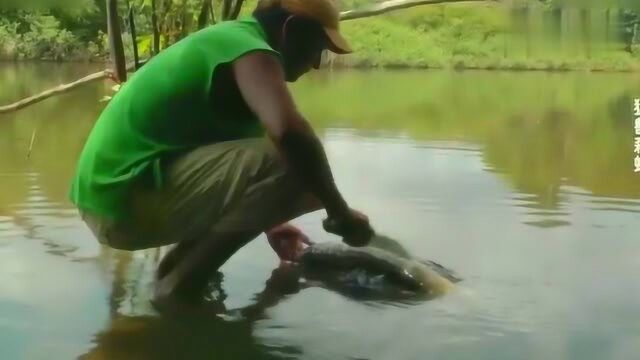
[
  {"x": 166, "y": 291},
  {"x": 172, "y": 258},
  {"x": 170, "y": 301}
]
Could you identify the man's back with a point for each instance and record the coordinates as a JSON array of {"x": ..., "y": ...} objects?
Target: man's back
[{"x": 165, "y": 108}]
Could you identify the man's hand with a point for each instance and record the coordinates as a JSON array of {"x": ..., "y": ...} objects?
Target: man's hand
[
  {"x": 287, "y": 241},
  {"x": 352, "y": 225}
]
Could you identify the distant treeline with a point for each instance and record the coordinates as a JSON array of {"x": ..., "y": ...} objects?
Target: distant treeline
[{"x": 525, "y": 34}]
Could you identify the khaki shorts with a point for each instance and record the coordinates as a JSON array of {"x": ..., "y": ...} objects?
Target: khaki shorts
[{"x": 228, "y": 187}]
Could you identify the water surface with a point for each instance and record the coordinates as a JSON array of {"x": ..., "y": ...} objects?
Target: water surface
[{"x": 522, "y": 183}]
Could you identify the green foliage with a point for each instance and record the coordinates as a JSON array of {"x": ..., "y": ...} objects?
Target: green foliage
[
  {"x": 372, "y": 44},
  {"x": 45, "y": 39},
  {"x": 35, "y": 35},
  {"x": 483, "y": 36},
  {"x": 67, "y": 6},
  {"x": 86, "y": 23},
  {"x": 432, "y": 36},
  {"x": 9, "y": 38},
  {"x": 475, "y": 35}
]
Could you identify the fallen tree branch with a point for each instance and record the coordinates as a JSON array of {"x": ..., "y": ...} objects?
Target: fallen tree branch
[
  {"x": 386, "y": 6},
  {"x": 100, "y": 75},
  {"x": 55, "y": 91}
]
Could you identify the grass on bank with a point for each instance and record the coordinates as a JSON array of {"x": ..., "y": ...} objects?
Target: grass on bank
[
  {"x": 463, "y": 36},
  {"x": 472, "y": 36}
]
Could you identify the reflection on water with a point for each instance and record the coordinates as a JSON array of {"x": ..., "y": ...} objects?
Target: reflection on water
[
  {"x": 522, "y": 183},
  {"x": 137, "y": 332},
  {"x": 153, "y": 337}
]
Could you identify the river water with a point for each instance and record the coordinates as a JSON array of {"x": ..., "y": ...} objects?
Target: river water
[{"x": 523, "y": 183}]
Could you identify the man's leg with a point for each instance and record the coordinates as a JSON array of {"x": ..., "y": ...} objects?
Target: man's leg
[{"x": 218, "y": 198}]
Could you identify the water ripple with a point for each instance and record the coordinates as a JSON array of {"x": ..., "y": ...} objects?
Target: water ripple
[
  {"x": 543, "y": 215},
  {"x": 548, "y": 223},
  {"x": 616, "y": 209}
]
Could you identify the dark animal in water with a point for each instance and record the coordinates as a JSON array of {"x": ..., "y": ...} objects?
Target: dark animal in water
[{"x": 382, "y": 266}]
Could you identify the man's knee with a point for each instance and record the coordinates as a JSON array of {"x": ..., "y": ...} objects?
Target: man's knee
[
  {"x": 233, "y": 186},
  {"x": 226, "y": 164},
  {"x": 261, "y": 158}
]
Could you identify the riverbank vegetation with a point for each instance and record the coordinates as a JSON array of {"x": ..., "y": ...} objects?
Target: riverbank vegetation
[
  {"x": 492, "y": 36},
  {"x": 519, "y": 35}
]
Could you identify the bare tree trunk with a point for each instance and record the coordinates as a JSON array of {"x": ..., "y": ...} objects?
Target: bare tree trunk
[
  {"x": 184, "y": 21},
  {"x": 134, "y": 38},
  {"x": 154, "y": 26},
  {"x": 527, "y": 29},
  {"x": 236, "y": 9},
  {"x": 555, "y": 25},
  {"x": 164, "y": 21},
  {"x": 226, "y": 9},
  {"x": 585, "y": 24},
  {"x": 607, "y": 27},
  {"x": 203, "y": 17},
  {"x": 115, "y": 41},
  {"x": 506, "y": 39},
  {"x": 634, "y": 36}
]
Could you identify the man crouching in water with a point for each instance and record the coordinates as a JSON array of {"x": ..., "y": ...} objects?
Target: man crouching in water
[{"x": 178, "y": 156}]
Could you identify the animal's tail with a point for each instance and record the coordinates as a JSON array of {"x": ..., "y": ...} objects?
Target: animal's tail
[{"x": 443, "y": 271}]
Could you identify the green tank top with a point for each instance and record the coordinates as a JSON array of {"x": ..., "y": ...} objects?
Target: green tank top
[{"x": 164, "y": 109}]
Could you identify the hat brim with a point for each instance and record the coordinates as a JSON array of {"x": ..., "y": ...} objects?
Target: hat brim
[{"x": 337, "y": 43}]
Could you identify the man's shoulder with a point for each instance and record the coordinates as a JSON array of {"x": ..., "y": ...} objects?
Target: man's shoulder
[
  {"x": 245, "y": 28},
  {"x": 230, "y": 40}
]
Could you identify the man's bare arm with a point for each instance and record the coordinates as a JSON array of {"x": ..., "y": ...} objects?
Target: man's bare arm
[{"x": 261, "y": 81}]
